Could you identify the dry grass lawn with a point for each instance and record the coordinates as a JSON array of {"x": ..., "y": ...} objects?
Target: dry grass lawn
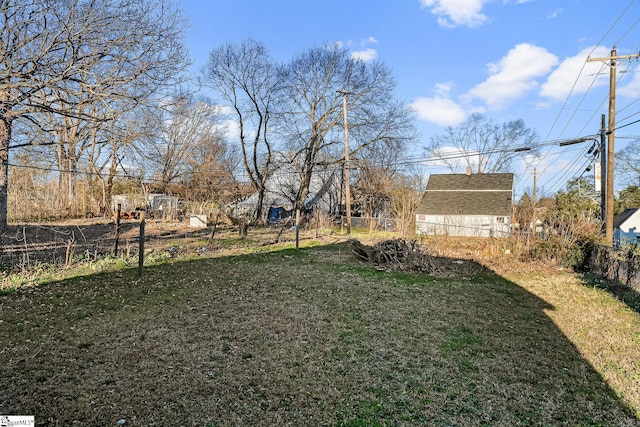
[{"x": 315, "y": 337}]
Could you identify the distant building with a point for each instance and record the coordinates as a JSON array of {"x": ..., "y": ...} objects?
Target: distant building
[
  {"x": 475, "y": 205},
  {"x": 281, "y": 189},
  {"x": 156, "y": 205},
  {"x": 626, "y": 227}
]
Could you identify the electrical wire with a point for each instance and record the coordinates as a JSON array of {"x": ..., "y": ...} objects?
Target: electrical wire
[
  {"x": 404, "y": 162},
  {"x": 569, "y": 95},
  {"x": 560, "y": 177},
  {"x": 628, "y": 124}
]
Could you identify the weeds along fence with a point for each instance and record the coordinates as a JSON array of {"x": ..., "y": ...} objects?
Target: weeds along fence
[
  {"x": 29, "y": 246},
  {"x": 25, "y": 247},
  {"x": 390, "y": 225}
]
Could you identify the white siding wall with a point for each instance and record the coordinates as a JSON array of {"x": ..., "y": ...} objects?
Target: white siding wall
[
  {"x": 632, "y": 224},
  {"x": 463, "y": 225}
]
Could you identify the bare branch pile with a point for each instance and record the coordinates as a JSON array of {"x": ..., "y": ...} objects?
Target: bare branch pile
[
  {"x": 403, "y": 255},
  {"x": 397, "y": 254}
]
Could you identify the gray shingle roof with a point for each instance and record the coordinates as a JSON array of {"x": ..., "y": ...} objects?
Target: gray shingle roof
[{"x": 475, "y": 194}]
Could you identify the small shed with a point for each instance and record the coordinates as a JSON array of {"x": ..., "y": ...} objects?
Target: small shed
[
  {"x": 156, "y": 205},
  {"x": 626, "y": 227},
  {"x": 473, "y": 205}
]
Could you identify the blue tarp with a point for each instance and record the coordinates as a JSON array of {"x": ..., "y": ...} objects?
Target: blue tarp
[{"x": 274, "y": 215}]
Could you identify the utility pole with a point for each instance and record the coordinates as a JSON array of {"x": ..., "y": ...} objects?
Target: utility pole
[
  {"x": 613, "y": 63},
  {"x": 533, "y": 202},
  {"x": 347, "y": 186},
  {"x": 603, "y": 170}
]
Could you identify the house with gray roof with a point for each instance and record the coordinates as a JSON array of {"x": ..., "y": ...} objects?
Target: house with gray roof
[
  {"x": 626, "y": 227},
  {"x": 473, "y": 205}
]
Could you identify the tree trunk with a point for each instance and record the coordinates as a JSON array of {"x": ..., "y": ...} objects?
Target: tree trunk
[
  {"x": 108, "y": 190},
  {"x": 372, "y": 220},
  {"x": 298, "y": 221},
  {"x": 259, "y": 205},
  {"x": 5, "y": 137}
]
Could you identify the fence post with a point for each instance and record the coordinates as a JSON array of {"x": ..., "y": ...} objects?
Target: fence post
[
  {"x": 115, "y": 244},
  {"x": 242, "y": 227},
  {"x": 141, "y": 245}
]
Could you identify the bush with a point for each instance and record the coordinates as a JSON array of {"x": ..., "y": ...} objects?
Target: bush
[{"x": 568, "y": 241}]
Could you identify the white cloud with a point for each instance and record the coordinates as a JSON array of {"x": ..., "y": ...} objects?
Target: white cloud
[
  {"x": 632, "y": 88},
  {"x": 452, "y": 13},
  {"x": 456, "y": 160},
  {"x": 576, "y": 76},
  {"x": 228, "y": 123},
  {"x": 223, "y": 110},
  {"x": 368, "y": 40},
  {"x": 443, "y": 88},
  {"x": 514, "y": 75},
  {"x": 231, "y": 129},
  {"x": 554, "y": 14},
  {"x": 540, "y": 105},
  {"x": 365, "y": 55},
  {"x": 439, "y": 110}
]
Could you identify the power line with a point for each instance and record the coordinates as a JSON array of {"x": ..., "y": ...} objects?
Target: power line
[
  {"x": 405, "y": 161},
  {"x": 560, "y": 176},
  {"x": 630, "y": 115},
  {"x": 580, "y": 73},
  {"x": 628, "y": 124}
]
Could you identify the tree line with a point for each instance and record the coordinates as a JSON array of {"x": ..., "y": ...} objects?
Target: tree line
[
  {"x": 78, "y": 78},
  {"x": 96, "y": 98}
]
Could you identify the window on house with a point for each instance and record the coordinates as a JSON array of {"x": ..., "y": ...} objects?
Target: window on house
[{"x": 500, "y": 220}]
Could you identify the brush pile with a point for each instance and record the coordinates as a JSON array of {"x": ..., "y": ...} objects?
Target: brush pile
[{"x": 403, "y": 255}]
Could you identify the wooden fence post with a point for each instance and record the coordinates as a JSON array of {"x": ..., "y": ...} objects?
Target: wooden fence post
[
  {"x": 141, "y": 245},
  {"x": 115, "y": 244}
]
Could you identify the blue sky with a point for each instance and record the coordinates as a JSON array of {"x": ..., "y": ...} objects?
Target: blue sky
[{"x": 507, "y": 59}]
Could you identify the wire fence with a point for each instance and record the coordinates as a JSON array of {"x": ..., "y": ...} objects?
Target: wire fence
[
  {"x": 370, "y": 223},
  {"x": 64, "y": 244}
]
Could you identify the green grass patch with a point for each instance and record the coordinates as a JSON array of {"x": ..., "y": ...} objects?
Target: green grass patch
[
  {"x": 298, "y": 337},
  {"x": 461, "y": 338}
]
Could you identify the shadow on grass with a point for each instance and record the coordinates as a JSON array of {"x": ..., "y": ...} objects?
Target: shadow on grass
[{"x": 308, "y": 337}]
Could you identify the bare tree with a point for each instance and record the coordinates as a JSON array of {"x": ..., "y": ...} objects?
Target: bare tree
[
  {"x": 375, "y": 177},
  {"x": 246, "y": 78},
  {"x": 628, "y": 163},
  {"x": 111, "y": 146},
  {"x": 67, "y": 137},
  {"x": 184, "y": 127},
  {"x": 481, "y": 144},
  {"x": 313, "y": 111},
  {"x": 404, "y": 198},
  {"x": 211, "y": 172},
  {"x": 57, "y": 55}
]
